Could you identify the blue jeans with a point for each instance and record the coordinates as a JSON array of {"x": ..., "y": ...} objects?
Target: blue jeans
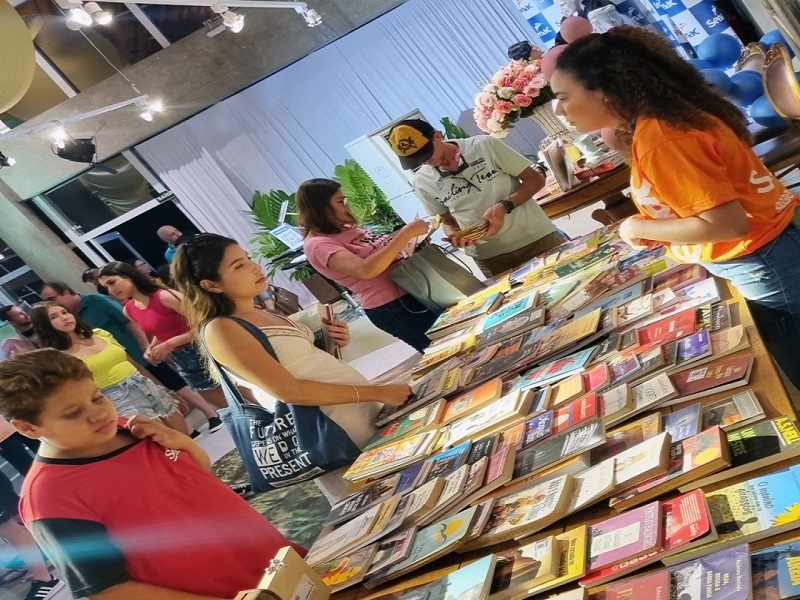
[
  {"x": 769, "y": 279},
  {"x": 405, "y": 318}
]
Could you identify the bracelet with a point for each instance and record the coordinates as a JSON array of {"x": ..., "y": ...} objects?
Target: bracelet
[{"x": 358, "y": 398}]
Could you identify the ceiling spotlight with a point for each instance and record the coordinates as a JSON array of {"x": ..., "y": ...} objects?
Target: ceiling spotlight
[
  {"x": 60, "y": 137},
  {"x": 312, "y": 17},
  {"x": 82, "y": 150},
  {"x": 99, "y": 16},
  {"x": 6, "y": 161},
  {"x": 79, "y": 17},
  {"x": 233, "y": 21},
  {"x": 146, "y": 114},
  {"x": 149, "y": 109}
]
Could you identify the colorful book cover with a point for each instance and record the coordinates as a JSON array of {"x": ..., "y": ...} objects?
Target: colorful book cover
[
  {"x": 573, "y": 548},
  {"x": 623, "y": 368},
  {"x": 414, "y": 422},
  {"x": 692, "y": 458},
  {"x": 596, "y": 378},
  {"x": 470, "y": 309},
  {"x": 537, "y": 428},
  {"x": 511, "y": 405},
  {"x": 448, "y": 461},
  {"x": 679, "y": 278},
  {"x": 528, "y": 565},
  {"x": 483, "y": 447},
  {"x": 469, "y": 582},
  {"x": 734, "y": 411},
  {"x": 776, "y": 572},
  {"x": 512, "y": 326},
  {"x": 346, "y": 571},
  {"x": 358, "y": 502},
  {"x": 726, "y": 371},
  {"x": 654, "y": 586},
  {"x": 383, "y": 458},
  {"x": 668, "y": 329},
  {"x": 616, "y": 299},
  {"x": 625, "y": 536},
  {"x": 557, "y": 369},
  {"x": 627, "y": 436},
  {"x": 575, "y": 413},
  {"x": 472, "y": 400},
  {"x": 392, "y": 550},
  {"x": 509, "y": 311},
  {"x": 723, "y": 575},
  {"x": 693, "y": 347},
  {"x": 569, "y": 333},
  {"x": 558, "y": 448},
  {"x": 683, "y": 423},
  {"x": 411, "y": 476},
  {"x": 567, "y": 390}
]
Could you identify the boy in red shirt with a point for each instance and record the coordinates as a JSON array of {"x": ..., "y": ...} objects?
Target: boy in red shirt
[{"x": 126, "y": 513}]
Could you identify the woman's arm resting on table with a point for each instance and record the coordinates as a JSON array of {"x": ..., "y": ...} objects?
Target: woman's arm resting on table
[
  {"x": 719, "y": 224},
  {"x": 234, "y": 347},
  {"x": 376, "y": 263}
]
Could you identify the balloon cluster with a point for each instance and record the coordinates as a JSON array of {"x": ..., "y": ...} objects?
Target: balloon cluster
[{"x": 719, "y": 52}]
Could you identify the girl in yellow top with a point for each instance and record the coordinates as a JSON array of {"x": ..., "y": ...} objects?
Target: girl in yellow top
[
  {"x": 120, "y": 379},
  {"x": 699, "y": 187}
]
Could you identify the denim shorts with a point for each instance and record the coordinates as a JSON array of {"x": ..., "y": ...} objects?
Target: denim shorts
[
  {"x": 138, "y": 395},
  {"x": 189, "y": 363}
]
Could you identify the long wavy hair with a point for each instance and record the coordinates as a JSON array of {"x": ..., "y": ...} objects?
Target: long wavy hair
[
  {"x": 641, "y": 75},
  {"x": 143, "y": 283},
  {"x": 49, "y": 336},
  {"x": 313, "y": 200},
  {"x": 195, "y": 260}
]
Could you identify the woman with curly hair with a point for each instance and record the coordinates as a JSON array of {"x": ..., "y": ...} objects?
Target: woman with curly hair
[{"x": 699, "y": 187}]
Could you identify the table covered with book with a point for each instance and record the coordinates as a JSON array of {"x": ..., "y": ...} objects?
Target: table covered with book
[{"x": 599, "y": 419}]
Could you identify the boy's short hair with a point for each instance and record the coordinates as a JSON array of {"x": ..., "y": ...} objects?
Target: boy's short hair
[{"x": 27, "y": 380}]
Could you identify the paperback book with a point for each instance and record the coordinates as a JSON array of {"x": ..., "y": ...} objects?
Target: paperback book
[
  {"x": 531, "y": 564},
  {"x": 626, "y": 536},
  {"x": 733, "y": 412},
  {"x": 776, "y": 572},
  {"x": 716, "y": 376},
  {"x": 723, "y": 575}
]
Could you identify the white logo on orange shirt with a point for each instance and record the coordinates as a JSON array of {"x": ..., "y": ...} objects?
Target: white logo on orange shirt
[
  {"x": 687, "y": 253},
  {"x": 787, "y": 198},
  {"x": 767, "y": 181},
  {"x": 652, "y": 205},
  {"x": 172, "y": 454}
]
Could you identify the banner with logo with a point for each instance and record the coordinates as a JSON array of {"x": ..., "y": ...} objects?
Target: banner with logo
[{"x": 685, "y": 22}]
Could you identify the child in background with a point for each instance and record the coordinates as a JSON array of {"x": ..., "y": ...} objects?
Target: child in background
[{"x": 126, "y": 513}]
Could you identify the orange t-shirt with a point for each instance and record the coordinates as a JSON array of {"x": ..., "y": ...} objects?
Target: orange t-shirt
[{"x": 678, "y": 174}]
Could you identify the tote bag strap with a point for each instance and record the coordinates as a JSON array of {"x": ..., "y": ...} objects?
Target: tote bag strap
[{"x": 235, "y": 399}]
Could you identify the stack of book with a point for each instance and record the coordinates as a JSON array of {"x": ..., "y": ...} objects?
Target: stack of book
[{"x": 550, "y": 392}]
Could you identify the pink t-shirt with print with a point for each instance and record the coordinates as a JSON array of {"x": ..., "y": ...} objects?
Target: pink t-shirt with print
[{"x": 373, "y": 292}]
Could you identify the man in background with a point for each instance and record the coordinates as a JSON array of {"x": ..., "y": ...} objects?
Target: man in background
[
  {"x": 473, "y": 179},
  {"x": 20, "y": 321},
  {"x": 170, "y": 235}
]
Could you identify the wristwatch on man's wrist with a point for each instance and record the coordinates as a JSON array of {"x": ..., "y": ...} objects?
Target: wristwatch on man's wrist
[{"x": 508, "y": 205}]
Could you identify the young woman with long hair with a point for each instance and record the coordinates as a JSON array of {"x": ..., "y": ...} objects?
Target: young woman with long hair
[
  {"x": 361, "y": 261},
  {"x": 157, "y": 310},
  {"x": 126, "y": 384},
  {"x": 699, "y": 187},
  {"x": 218, "y": 279}
]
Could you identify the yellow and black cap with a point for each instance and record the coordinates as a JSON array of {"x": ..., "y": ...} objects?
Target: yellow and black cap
[{"x": 412, "y": 141}]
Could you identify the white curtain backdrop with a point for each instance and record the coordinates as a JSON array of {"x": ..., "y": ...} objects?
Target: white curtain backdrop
[{"x": 429, "y": 54}]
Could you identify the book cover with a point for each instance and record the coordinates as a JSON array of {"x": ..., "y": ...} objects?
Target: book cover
[
  {"x": 537, "y": 428},
  {"x": 667, "y": 330},
  {"x": 751, "y": 510},
  {"x": 776, "y": 572},
  {"x": 391, "y": 457},
  {"x": 730, "y": 340},
  {"x": 528, "y": 565},
  {"x": 627, "y": 436},
  {"x": 346, "y": 571},
  {"x": 733, "y": 412},
  {"x": 506, "y": 312},
  {"x": 692, "y": 458},
  {"x": 592, "y": 484},
  {"x": 643, "y": 461},
  {"x": 693, "y": 347},
  {"x": 653, "y": 391},
  {"x": 527, "y": 511},
  {"x": 616, "y": 402},
  {"x": 683, "y": 423},
  {"x": 558, "y": 448},
  {"x": 391, "y": 550},
  {"x": 655, "y": 586},
  {"x": 617, "y": 298},
  {"x": 636, "y": 309},
  {"x": 418, "y": 421},
  {"x": 596, "y": 378},
  {"x": 556, "y": 370},
  {"x": 365, "y": 498},
  {"x": 448, "y": 461},
  {"x": 468, "y": 310},
  {"x": 411, "y": 476},
  {"x": 625, "y": 536},
  {"x": 453, "y": 486},
  {"x": 623, "y": 368},
  {"x": 483, "y": 447},
  {"x": 492, "y": 417},
  {"x": 567, "y": 390},
  {"x": 676, "y": 279},
  {"x": 423, "y": 500},
  {"x": 575, "y": 413},
  {"x": 513, "y": 326},
  {"x": 755, "y": 447},
  {"x": 473, "y": 400},
  {"x": 713, "y": 377},
  {"x": 470, "y": 582},
  {"x": 568, "y": 334},
  {"x": 723, "y": 575},
  {"x": 429, "y": 544}
]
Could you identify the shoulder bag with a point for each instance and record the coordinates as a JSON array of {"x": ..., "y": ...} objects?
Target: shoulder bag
[{"x": 293, "y": 444}]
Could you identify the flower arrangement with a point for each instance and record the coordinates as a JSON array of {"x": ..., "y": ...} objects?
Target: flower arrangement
[{"x": 512, "y": 94}]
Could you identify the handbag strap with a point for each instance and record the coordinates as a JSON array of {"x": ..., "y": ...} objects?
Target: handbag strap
[{"x": 233, "y": 391}]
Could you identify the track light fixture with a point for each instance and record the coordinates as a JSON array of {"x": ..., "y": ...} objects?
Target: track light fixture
[
  {"x": 149, "y": 109},
  {"x": 312, "y": 17},
  {"x": 78, "y": 18},
  {"x": 233, "y": 21},
  {"x": 6, "y": 161},
  {"x": 98, "y": 15}
]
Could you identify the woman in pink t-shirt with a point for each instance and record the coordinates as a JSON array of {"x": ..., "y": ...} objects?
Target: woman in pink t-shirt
[{"x": 361, "y": 261}]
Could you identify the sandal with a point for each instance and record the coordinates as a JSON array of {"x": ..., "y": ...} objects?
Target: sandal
[{"x": 9, "y": 575}]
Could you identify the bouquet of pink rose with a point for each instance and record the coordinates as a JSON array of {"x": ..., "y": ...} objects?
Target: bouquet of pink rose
[{"x": 513, "y": 93}]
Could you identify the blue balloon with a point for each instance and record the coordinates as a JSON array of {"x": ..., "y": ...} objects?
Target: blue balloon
[
  {"x": 720, "y": 49},
  {"x": 773, "y": 37},
  {"x": 719, "y": 79},
  {"x": 746, "y": 88},
  {"x": 700, "y": 64},
  {"x": 762, "y": 112}
]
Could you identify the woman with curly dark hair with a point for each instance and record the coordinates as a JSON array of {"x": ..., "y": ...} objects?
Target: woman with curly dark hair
[{"x": 699, "y": 187}]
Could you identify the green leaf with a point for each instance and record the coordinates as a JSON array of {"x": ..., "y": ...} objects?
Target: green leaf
[{"x": 451, "y": 130}]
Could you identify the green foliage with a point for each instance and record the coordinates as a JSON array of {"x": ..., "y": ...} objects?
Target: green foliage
[
  {"x": 366, "y": 200},
  {"x": 452, "y": 131},
  {"x": 265, "y": 213}
]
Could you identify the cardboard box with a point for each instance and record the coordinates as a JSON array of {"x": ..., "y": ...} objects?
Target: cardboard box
[{"x": 289, "y": 577}]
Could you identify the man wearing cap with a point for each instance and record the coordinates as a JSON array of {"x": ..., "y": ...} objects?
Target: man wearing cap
[{"x": 477, "y": 178}]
